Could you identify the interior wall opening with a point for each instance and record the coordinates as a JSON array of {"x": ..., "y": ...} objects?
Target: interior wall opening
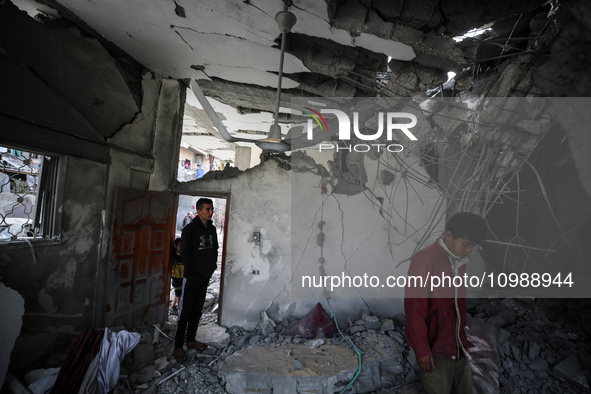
[{"x": 186, "y": 212}]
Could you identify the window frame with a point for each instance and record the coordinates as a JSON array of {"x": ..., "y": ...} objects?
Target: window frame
[{"x": 48, "y": 207}]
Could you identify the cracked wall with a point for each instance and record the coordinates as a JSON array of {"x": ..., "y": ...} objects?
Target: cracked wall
[
  {"x": 255, "y": 277},
  {"x": 371, "y": 232},
  {"x": 68, "y": 95}
]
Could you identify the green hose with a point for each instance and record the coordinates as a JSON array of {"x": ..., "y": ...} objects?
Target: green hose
[{"x": 346, "y": 338}]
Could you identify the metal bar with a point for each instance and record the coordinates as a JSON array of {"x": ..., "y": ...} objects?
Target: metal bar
[
  {"x": 169, "y": 376},
  {"x": 198, "y": 92},
  {"x": 518, "y": 245},
  {"x": 280, "y": 78}
]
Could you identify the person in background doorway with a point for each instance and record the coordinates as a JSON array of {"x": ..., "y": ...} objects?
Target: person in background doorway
[
  {"x": 199, "y": 253},
  {"x": 200, "y": 172},
  {"x": 435, "y": 320},
  {"x": 188, "y": 219},
  {"x": 178, "y": 270}
]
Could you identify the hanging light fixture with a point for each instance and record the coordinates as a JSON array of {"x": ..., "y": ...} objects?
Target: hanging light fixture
[{"x": 273, "y": 143}]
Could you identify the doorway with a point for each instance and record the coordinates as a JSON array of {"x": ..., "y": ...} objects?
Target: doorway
[{"x": 187, "y": 206}]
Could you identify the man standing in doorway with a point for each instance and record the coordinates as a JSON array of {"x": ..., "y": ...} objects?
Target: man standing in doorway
[
  {"x": 435, "y": 318},
  {"x": 199, "y": 253}
]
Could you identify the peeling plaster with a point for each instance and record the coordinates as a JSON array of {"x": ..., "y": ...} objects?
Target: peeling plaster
[
  {"x": 393, "y": 49},
  {"x": 63, "y": 277},
  {"x": 249, "y": 75},
  {"x": 81, "y": 229}
]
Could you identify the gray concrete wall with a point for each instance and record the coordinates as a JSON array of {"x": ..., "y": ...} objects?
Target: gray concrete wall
[
  {"x": 286, "y": 207},
  {"x": 110, "y": 119},
  {"x": 58, "y": 281}
]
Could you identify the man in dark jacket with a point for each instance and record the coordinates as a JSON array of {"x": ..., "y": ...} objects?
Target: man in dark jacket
[
  {"x": 435, "y": 318},
  {"x": 199, "y": 253}
]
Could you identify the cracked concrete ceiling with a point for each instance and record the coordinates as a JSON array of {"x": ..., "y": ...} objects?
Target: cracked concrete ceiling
[{"x": 337, "y": 48}]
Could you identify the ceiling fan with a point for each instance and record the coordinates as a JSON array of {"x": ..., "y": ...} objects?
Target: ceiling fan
[{"x": 273, "y": 143}]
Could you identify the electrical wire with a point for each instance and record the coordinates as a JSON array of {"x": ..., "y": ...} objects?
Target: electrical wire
[{"x": 350, "y": 342}]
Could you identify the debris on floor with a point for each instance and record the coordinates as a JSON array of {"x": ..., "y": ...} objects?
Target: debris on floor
[
  {"x": 91, "y": 364},
  {"x": 542, "y": 346}
]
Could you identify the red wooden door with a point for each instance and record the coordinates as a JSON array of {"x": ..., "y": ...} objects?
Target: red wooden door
[{"x": 139, "y": 275}]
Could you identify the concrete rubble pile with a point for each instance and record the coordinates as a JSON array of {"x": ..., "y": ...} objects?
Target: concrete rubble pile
[{"x": 542, "y": 346}]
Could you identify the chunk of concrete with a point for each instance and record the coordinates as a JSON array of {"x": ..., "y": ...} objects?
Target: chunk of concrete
[
  {"x": 539, "y": 364},
  {"x": 213, "y": 335},
  {"x": 326, "y": 369},
  {"x": 570, "y": 369},
  {"x": 145, "y": 374},
  {"x": 141, "y": 356},
  {"x": 161, "y": 363},
  {"x": 313, "y": 344},
  {"x": 12, "y": 309},
  {"x": 373, "y": 323},
  {"x": 297, "y": 364}
]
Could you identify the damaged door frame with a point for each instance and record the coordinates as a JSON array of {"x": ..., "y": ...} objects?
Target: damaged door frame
[{"x": 226, "y": 196}]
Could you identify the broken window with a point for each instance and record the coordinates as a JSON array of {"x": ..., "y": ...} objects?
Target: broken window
[{"x": 29, "y": 185}]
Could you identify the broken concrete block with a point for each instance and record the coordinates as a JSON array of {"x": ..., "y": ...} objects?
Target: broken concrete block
[
  {"x": 314, "y": 344},
  {"x": 142, "y": 356},
  {"x": 390, "y": 9},
  {"x": 391, "y": 364},
  {"x": 266, "y": 328},
  {"x": 570, "y": 369},
  {"x": 387, "y": 325},
  {"x": 502, "y": 336},
  {"x": 516, "y": 352},
  {"x": 373, "y": 323},
  {"x": 355, "y": 329},
  {"x": 527, "y": 374},
  {"x": 146, "y": 374},
  {"x": 212, "y": 378},
  {"x": 324, "y": 370},
  {"x": 533, "y": 350},
  {"x": 297, "y": 364},
  {"x": 398, "y": 337},
  {"x": 213, "y": 335},
  {"x": 243, "y": 340},
  {"x": 374, "y": 25},
  {"x": 369, "y": 378},
  {"x": 351, "y": 16},
  {"x": 161, "y": 363},
  {"x": 539, "y": 364}
]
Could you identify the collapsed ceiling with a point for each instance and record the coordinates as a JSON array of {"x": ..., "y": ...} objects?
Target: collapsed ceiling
[{"x": 344, "y": 48}]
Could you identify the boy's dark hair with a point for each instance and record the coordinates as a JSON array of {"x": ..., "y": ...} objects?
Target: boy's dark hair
[
  {"x": 467, "y": 225},
  {"x": 177, "y": 241},
  {"x": 202, "y": 201}
]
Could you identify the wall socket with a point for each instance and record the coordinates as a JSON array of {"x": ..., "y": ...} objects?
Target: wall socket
[{"x": 256, "y": 239}]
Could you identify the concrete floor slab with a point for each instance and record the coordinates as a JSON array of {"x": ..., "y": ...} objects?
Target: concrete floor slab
[{"x": 326, "y": 369}]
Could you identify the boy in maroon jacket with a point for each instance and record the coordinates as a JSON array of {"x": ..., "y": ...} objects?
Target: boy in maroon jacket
[{"x": 436, "y": 315}]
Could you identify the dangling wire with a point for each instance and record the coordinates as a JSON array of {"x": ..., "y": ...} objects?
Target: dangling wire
[{"x": 288, "y": 4}]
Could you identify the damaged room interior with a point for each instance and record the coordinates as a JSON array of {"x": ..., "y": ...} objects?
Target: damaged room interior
[{"x": 335, "y": 140}]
